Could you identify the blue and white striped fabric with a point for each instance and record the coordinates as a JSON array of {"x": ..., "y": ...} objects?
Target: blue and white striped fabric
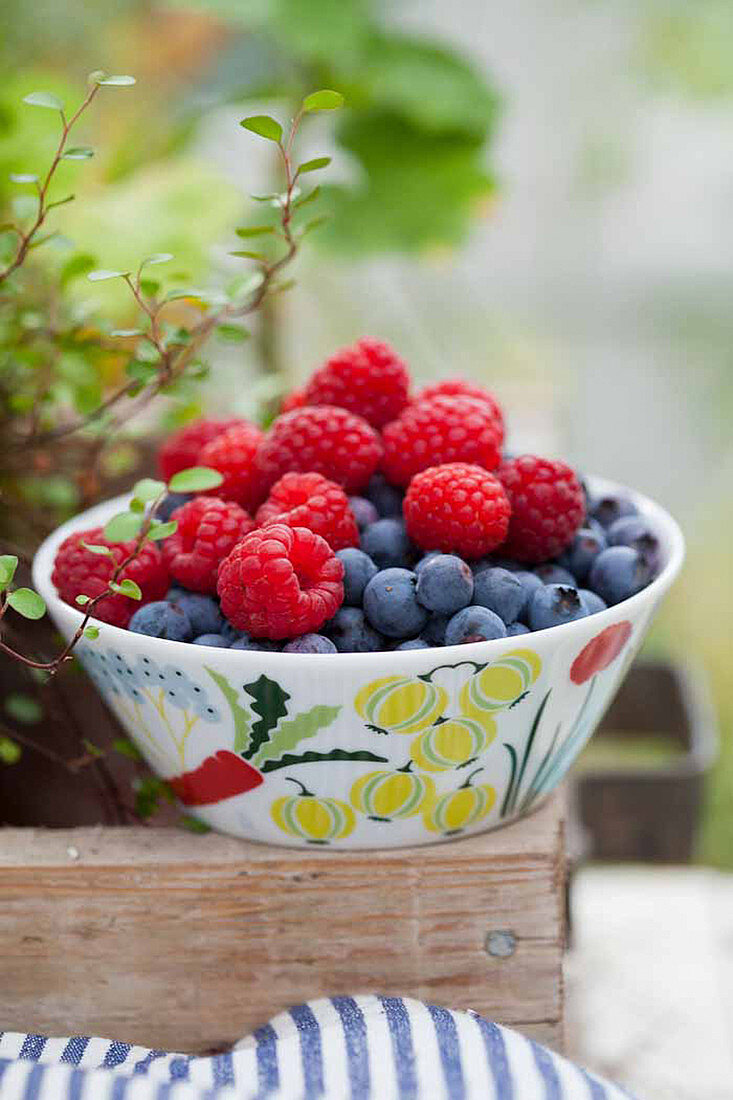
[{"x": 343, "y": 1048}]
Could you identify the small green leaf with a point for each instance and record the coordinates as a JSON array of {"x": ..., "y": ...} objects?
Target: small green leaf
[
  {"x": 82, "y": 600},
  {"x": 23, "y": 708},
  {"x": 91, "y": 632},
  {"x": 125, "y": 332},
  {"x": 43, "y": 99},
  {"x": 157, "y": 258},
  {"x": 314, "y": 223},
  {"x": 149, "y": 287},
  {"x": 129, "y": 588},
  {"x": 80, "y": 264},
  {"x": 27, "y": 603},
  {"x": 232, "y": 333},
  {"x": 23, "y": 177},
  {"x": 126, "y": 748},
  {"x": 310, "y": 197},
  {"x": 8, "y": 565},
  {"x": 253, "y": 230},
  {"x": 122, "y": 527},
  {"x": 313, "y": 165},
  {"x": 61, "y": 202},
  {"x": 148, "y": 489},
  {"x": 264, "y": 125},
  {"x": 9, "y": 751},
  {"x": 242, "y": 255},
  {"x": 193, "y": 824},
  {"x": 102, "y": 274},
  {"x": 195, "y": 480},
  {"x": 325, "y": 100},
  {"x": 92, "y": 749},
  {"x": 99, "y": 77},
  {"x": 78, "y": 152},
  {"x": 162, "y": 530},
  {"x": 103, "y": 551}
]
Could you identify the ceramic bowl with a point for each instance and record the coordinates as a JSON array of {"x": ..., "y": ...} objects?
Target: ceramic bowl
[{"x": 372, "y": 750}]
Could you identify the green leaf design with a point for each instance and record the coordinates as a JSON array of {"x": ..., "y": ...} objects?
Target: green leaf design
[
  {"x": 240, "y": 715},
  {"x": 294, "y": 730},
  {"x": 270, "y": 702},
  {"x": 316, "y": 757}
]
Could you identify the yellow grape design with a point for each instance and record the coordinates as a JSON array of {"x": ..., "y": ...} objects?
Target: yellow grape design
[
  {"x": 388, "y": 795},
  {"x": 501, "y": 684},
  {"x": 453, "y": 812},
  {"x": 311, "y": 818},
  {"x": 453, "y": 743},
  {"x": 397, "y": 704}
]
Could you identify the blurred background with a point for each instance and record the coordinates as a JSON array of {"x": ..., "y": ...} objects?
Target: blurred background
[{"x": 538, "y": 195}]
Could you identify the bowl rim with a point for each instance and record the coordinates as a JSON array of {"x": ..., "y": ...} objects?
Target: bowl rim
[{"x": 669, "y": 530}]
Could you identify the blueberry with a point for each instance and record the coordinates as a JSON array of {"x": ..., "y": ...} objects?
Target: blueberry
[
  {"x": 501, "y": 591},
  {"x": 434, "y": 630},
  {"x": 474, "y": 624},
  {"x": 169, "y": 503},
  {"x": 610, "y": 507},
  {"x": 391, "y": 606},
  {"x": 174, "y": 594},
  {"x": 203, "y": 613},
  {"x": 364, "y": 511},
  {"x": 425, "y": 559},
  {"x": 515, "y": 629},
  {"x": 310, "y": 643},
  {"x": 530, "y": 582},
  {"x": 550, "y": 573},
  {"x": 212, "y": 640},
  {"x": 618, "y": 573},
  {"x": 351, "y": 633},
  {"x": 162, "y": 620},
  {"x": 637, "y": 532},
  {"x": 230, "y": 634},
  {"x": 414, "y": 643},
  {"x": 592, "y": 601},
  {"x": 358, "y": 571},
  {"x": 445, "y": 584},
  {"x": 265, "y": 645},
  {"x": 554, "y": 604},
  {"x": 386, "y": 542},
  {"x": 582, "y": 552},
  {"x": 386, "y": 498}
]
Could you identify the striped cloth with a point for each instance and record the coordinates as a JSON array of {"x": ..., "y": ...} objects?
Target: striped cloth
[{"x": 343, "y": 1048}]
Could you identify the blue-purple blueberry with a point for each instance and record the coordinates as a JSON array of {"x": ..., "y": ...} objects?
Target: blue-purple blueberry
[
  {"x": 364, "y": 511},
  {"x": 609, "y": 507},
  {"x": 551, "y": 573},
  {"x": 501, "y": 591},
  {"x": 310, "y": 643},
  {"x": 390, "y": 604},
  {"x": 582, "y": 552},
  {"x": 387, "y": 544},
  {"x": 444, "y": 584},
  {"x": 592, "y": 601},
  {"x": 474, "y": 624},
  {"x": 351, "y": 633},
  {"x": 161, "y": 619},
  {"x": 217, "y": 641},
  {"x": 386, "y": 498},
  {"x": 358, "y": 571},
  {"x": 555, "y": 604},
  {"x": 203, "y": 612},
  {"x": 618, "y": 573}
]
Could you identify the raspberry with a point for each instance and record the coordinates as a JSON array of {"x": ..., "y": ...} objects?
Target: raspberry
[
  {"x": 77, "y": 571},
  {"x": 280, "y": 581},
  {"x": 457, "y": 508},
  {"x": 232, "y": 453},
  {"x": 445, "y": 429},
  {"x": 207, "y": 530},
  {"x": 548, "y": 507},
  {"x": 368, "y": 378},
  {"x": 312, "y": 501},
  {"x": 320, "y": 439},
  {"x": 293, "y": 400},
  {"x": 459, "y": 387},
  {"x": 181, "y": 449}
]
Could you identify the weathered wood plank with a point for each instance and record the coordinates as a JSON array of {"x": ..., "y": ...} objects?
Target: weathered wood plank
[{"x": 157, "y": 937}]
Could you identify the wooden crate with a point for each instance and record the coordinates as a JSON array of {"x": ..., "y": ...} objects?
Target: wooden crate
[{"x": 184, "y": 942}]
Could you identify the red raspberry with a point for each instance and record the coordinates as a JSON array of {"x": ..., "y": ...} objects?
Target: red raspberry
[
  {"x": 459, "y": 387},
  {"x": 293, "y": 400},
  {"x": 207, "y": 530},
  {"x": 281, "y": 581},
  {"x": 457, "y": 508},
  {"x": 445, "y": 429},
  {"x": 320, "y": 439},
  {"x": 181, "y": 449},
  {"x": 79, "y": 572},
  {"x": 368, "y": 378},
  {"x": 232, "y": 453},
  {"x": 312, "y": 501},
  {"x": 548, "y": 507}
]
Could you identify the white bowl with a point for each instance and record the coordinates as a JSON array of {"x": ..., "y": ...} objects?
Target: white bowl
[{"x": 365, "y": 750}]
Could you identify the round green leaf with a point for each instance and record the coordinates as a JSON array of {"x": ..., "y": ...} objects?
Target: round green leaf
[
  {"x": 111, "y": 81},
  {"x": 102, "y": 551},
  {"x": 264, "y": 125},
  {"x": 102, "y": 274},
  {"x": 253, "y": 230},
  {"x": 122, "y": 527},
  {"x": 128, "y": 587},
  {"x": 82, "y": 600},
  {"x": 148, "y": 489},
  {"x": 9, "y": 751},
  {"x": 195, "y": 480},
  {"x": 27, "y": 603},
  {"x": 162, "y": 530},
  {"x": 78, "y": 152},
  {"x": 23, "y": 708},
  {"x": 91, "y": 632},
  {"x": 44, "y": 99},
  {"x": 325, "y": 100},
  {"x": 313, "y": 165},
  {"x": 232, "y": 333},
  {"x": 157, "y": 258},
  {"x": 23, "y": 177},
  {"x": 8, "y": 565}
]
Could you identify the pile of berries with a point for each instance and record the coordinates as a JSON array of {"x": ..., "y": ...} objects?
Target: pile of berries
[{"x": 369, "y": 518}]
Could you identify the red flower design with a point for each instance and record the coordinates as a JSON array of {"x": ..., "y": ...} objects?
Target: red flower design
[
  {"x": 600, "y": 652},
  {"x": 218, "y": 777}
]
